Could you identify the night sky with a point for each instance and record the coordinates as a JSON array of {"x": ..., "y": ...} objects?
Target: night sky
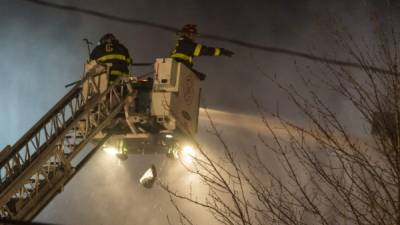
[{"x": 42, "y": 50}]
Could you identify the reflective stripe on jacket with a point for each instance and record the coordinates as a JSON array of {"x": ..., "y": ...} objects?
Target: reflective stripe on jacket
[{"x": 115, "y": 53}]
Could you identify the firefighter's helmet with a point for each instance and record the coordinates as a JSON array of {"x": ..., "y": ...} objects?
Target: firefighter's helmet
[
  {"x": 107, "y": 38},
  {"x": 189, "y": 29}
]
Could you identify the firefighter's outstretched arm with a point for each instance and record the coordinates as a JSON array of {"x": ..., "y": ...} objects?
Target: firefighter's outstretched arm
[{"x": 211, "y": 51}]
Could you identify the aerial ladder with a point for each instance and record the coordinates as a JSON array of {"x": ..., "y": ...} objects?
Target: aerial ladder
[{"x": 154, "y": 115}]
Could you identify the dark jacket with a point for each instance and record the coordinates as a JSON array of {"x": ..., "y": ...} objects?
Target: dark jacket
[
  {"x": 115, "y": 53},
  {"x": 186, "y": 49}
]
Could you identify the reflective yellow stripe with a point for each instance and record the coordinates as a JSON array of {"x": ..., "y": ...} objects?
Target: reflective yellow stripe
[
  {"x": 182, "y": 56},
  {"x": 114, "y": 56},
  {"x": 117, "y": 73},
  {"x": 197, "y": 50},
  {"x": 217, "y": 52}
]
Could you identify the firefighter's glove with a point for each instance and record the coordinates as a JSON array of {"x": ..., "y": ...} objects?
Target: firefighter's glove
[
  {"x": 201, "y": 76},
  {"x": 226, "y": 52}
]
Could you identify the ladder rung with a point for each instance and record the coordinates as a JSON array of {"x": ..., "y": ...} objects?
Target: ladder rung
[
  {"x": 73, "y": 136},
  {"x": 70, "y": 145},
  {"x": 53, "y": 163}
]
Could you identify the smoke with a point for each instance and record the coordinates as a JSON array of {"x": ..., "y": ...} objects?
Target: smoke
[
  {"x": 39, "y": 55},
  {"x": 42, "y": 50}
]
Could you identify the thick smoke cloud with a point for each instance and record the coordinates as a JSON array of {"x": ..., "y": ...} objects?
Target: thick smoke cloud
[{"x": 42, "y": 50}]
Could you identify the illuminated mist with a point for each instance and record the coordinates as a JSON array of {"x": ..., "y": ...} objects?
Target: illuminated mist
[{"x": 42, "y": 50}]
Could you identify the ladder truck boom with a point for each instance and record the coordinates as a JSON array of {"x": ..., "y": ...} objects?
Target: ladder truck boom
[{"x": 90, "y": 116}]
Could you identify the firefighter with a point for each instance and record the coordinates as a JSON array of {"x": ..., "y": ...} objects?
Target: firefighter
[
  {"x": 110, "y": 50},
  {"x": 187, "y": 48}
]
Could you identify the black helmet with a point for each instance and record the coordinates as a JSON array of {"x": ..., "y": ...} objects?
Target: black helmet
[{"x": 107, "y": 38}]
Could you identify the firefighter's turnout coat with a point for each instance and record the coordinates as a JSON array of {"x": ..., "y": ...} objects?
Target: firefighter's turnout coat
[
  {"x": 115, "y": 53},
  {"x": 186, "y": 49}
]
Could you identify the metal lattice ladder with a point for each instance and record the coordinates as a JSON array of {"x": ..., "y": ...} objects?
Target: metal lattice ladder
[{"x": 37, "y": 167}]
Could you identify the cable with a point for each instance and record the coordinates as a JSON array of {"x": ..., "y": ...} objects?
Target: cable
[
  {"x": 20, "y": 222},
  {"x": 103, "y": 15},
  {"x": 214, "y": 37}
]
